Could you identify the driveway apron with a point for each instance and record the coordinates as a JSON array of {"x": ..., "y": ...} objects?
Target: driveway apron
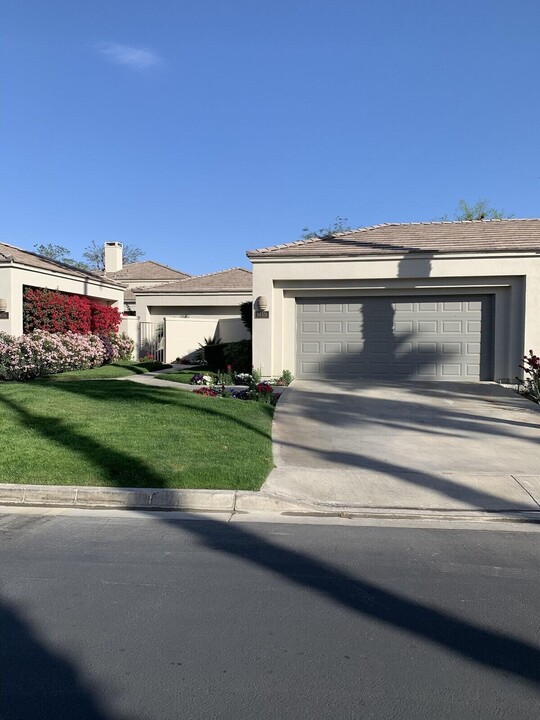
[{"x": 414, "y": 445}]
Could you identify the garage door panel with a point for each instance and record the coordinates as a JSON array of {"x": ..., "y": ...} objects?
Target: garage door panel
[{"x": 431, "y": 338}]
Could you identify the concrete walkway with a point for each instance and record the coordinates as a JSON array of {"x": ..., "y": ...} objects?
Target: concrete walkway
[{"x": 434, "y": 446}]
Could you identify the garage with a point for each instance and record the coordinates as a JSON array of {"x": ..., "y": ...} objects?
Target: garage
[{"x": 441, "y": 337}]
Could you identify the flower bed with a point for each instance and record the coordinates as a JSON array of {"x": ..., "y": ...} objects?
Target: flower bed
[
  {"x": 260, "y": 392},
  {"x": 42, "y": 353}
]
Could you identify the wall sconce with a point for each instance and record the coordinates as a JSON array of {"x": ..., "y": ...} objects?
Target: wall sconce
[
  {"x": 3, "y": 304},
  {"x": 262, "y": 302}
]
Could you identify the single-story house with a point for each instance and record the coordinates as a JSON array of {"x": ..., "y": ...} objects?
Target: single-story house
[
  {"x": 22, "y": 268},
  {"x": 186, "y": 312},
  {"x": 432, "y": 301},
  {"x": 135, "y": 275}
]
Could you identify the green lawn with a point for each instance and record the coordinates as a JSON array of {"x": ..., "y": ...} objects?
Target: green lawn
[
  {"x": 118, "y": 369},
  {"x": 122, "y": 434}
]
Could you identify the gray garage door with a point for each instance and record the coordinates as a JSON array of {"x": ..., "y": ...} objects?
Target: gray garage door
[{"x": 430, "y": 338}]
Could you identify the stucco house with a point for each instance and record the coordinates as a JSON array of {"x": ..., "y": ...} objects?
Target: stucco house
[
  {"x": 136, "y": 275},
  {"x": 21, "y": 268},
  {"x": 195, "y": 308},
  {"x": 432, "y": 301}
]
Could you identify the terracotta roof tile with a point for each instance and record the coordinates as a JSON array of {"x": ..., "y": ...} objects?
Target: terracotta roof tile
[
  {"x": 10, "y": 253},
  {"x": 235, "y": 279},
  {"x": 399, "y": 238},
  {"x": 147, "y": 270}
]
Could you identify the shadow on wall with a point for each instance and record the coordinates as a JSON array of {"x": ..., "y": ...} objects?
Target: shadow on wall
[{"x": 388, "y": 336}]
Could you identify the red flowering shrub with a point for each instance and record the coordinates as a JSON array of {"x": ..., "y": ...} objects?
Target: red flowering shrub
[
  {"x": 208, "y": 392},
  {"x": 264, "y": 387},
  {"x": 57, "y": 312}
]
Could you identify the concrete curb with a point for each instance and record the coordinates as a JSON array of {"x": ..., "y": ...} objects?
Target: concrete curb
[
  {"x": 146, "y": 498},
  {"x": 227, "y": 501}
]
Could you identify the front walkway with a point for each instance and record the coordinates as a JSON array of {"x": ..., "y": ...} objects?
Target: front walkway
[{"x": 437, "y": 446}]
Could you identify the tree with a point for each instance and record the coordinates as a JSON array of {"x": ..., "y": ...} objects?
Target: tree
[
  {"x": 60, "y": 254},
  {"x": 479, "y": 211},
  {"x": 94, "y": 255},
  {"x": 339, "y": 225},
  {"x": 54, "y": 252}
]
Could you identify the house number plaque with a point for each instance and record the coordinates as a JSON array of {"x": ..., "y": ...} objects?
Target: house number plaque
[
  {"x": 262, "y": 314},
  {"x": 4, "y": 315}
]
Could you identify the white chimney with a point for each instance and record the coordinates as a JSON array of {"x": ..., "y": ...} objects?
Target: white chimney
[{"x": 113, "y": 257}]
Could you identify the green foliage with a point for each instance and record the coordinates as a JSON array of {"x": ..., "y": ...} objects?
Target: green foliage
[
  {"x": 340, "y": 224},
  {"x": 256, "y": 375},
  {"x": 479, "y": 211},
  {"x": 59, "y": 253},
  {"x": 238, "y": 354},
  {"x": 287, "y": 377},
  {"x": 246, "y": 313}
]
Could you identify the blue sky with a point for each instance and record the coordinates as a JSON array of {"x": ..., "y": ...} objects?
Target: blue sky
[{"x": 198, "y": 130}]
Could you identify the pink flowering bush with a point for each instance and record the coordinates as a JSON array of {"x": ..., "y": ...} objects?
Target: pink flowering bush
[
  {"x": 118, "y": 346},
  {"x": 41, "y": 353}
]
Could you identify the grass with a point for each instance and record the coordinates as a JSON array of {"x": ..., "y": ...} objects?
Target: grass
[
  {"x": 120, "y": 434},
  {"x": 114, "y": 370}
]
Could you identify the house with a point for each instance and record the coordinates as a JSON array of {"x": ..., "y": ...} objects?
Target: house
[
  {"x": 430, "y": 301},
  {"x": 186, "y": 312},
  {"x": 20, "y": 269},
  {"x": 137, "y": 274}
]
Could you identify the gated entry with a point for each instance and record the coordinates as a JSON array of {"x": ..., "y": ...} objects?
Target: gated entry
[{"x": 152, "y": 340}]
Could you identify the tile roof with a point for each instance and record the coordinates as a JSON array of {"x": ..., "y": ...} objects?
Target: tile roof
[
  {"x": 147, "y": 270},
  {"x": 398, "y": 238},
  {"x": 234, "y": 279},
  {"x": 10, "y": 253}
]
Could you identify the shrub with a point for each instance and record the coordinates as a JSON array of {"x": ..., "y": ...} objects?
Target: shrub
[
  {"x": 238, "y": 354},
  {"x": 42, "y": 353},
  {"x": 531, "y": 367},
  {"x": 118, "y": 346},
  {"x": 246, "y": 313},
  {"x": 58, "y": 312}
]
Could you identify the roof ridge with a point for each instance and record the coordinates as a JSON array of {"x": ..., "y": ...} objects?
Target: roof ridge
[
  {"x": 367, "y": 228},
  {"x": 59, "y": 263},
  {"x": 216, "y": 272}
]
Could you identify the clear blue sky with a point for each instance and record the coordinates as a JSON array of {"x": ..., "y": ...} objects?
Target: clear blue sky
[{"x": 200, "y": 129}]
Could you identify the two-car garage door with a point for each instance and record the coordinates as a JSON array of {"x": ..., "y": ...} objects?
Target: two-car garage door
[{"x": 432, "y": 338}]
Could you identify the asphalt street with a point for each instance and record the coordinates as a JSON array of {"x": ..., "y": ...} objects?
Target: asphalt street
[{"x": 129, "y": 618}]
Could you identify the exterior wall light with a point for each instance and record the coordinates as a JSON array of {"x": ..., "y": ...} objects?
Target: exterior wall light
[{"x": 262, "y": 302}]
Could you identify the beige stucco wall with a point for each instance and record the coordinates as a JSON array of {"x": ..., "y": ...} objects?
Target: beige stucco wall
[
  {"x": 14, "y": 277},
  {"x": 185, "y": 335},
  {"x": 513, "y": 279},
  {"x": 150, "y": 308}
]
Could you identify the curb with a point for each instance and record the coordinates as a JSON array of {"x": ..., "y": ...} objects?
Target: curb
[
  {"x": 146, "y": 499},
  {"x": 229, "y": 501}
]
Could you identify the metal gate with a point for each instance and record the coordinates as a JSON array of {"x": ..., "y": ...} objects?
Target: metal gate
[{"x": 152, "y": 340}]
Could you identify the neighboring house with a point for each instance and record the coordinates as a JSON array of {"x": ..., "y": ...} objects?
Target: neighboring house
[
  {"x": 21, "y": 268},
  {"x": 196, "y": 308},
  {"x": 136, "y": 275},
  {"x": 430, "y": 301}
]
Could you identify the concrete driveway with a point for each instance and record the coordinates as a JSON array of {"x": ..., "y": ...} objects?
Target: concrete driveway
[{"x": 437, "y": 446}]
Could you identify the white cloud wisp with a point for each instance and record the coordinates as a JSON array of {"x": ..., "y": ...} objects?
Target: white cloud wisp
[{"x": 133, "y": 57}]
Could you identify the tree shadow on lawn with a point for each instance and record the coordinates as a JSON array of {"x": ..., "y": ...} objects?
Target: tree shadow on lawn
[
  {"x": 484, "y": 646},
  {"x": 117, "y": 468},
  {"x": 146, "y": 394}
]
